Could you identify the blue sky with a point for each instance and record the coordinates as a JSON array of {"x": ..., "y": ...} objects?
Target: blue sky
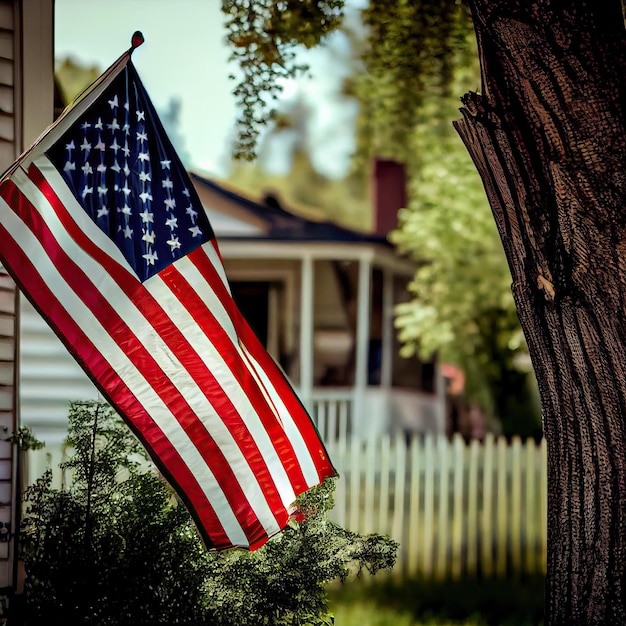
[{"x": 184, "y": 56}]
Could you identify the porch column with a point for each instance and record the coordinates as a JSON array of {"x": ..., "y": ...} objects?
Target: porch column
[
  {"x": 362, "y": 344},
  {"x": 386, "y": 368},
  {"x": 306, "y": 332}
]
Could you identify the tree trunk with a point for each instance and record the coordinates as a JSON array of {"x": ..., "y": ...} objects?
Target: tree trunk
[{"x": 548, "y": 137}]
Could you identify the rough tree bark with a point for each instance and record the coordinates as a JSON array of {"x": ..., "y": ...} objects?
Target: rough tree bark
[{"x": 548, "y": 136}]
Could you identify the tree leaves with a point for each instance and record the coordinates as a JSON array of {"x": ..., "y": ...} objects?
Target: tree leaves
[
  {"x": 410, "y": 55},
  {"x": 418, "y": 58},
  {"x": 264, "y": 36}
]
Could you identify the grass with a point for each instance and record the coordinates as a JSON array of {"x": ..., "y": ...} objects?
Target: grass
[
  {"x": 421, "y": 603},
  {"x": 368, "y": 614}
]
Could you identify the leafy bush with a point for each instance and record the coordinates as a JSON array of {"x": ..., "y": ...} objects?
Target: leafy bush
[
  {"x": 117, "y": 546},
  {"x": 284, "y": 583}
]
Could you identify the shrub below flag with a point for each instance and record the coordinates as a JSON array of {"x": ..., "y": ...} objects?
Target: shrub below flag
[{"x": 102, "y": 230}]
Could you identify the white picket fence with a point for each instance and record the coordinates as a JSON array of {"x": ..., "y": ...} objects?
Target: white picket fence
[{"x": 457, "y": 509}]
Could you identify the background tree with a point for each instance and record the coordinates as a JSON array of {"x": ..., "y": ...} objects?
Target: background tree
[
  {"x": 303, "y": 159},
  {"x": 295, "y": 179},
  {"x": 407, "y": 65},
  {"x": 420, "y": 56},
  {"x": 264, "y": 35}
]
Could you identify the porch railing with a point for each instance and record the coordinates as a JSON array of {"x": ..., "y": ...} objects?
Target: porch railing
[
  {"x": 332, "y": 413},
  {"x": 343, "y": 413}
]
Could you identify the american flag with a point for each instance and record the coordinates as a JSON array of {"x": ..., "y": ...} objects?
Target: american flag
[{"x": 102, "y": 230}]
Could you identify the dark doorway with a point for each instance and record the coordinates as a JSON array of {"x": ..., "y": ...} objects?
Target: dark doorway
[{"x": 252, "y": 298}]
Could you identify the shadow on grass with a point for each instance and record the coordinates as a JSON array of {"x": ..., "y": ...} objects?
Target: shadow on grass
[{"x": 482, "y": 602}]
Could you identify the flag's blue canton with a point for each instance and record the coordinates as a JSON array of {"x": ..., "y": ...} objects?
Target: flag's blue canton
[{"x": 122, "y": 169}]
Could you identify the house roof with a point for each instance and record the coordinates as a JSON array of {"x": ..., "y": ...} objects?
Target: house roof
[{"x": 235, "y": 216}]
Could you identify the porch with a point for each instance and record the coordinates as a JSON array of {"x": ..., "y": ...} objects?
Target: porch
[
  {"x": 326, "y": 314},
  {"x": 332, "y": 409}
]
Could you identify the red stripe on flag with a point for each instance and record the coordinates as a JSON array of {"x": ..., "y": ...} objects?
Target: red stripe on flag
[
  {"x": 99, "y": 368},
  {"x": 283, "y": 388},
  {"x": 269, "y": 417},
  {"x": 144, "y": 362}
]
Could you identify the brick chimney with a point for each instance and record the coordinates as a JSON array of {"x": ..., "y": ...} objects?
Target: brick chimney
[{"x": 389, "y": 194}]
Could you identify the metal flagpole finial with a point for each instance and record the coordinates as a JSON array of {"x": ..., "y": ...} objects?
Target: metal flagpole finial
[{"x": 136, "y": 40}]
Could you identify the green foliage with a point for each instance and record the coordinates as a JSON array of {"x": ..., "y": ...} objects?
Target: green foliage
[
  {"x": 117, "y": 547},
  {"x": 462, "y": 307},
  {"x": 285, "y": 583},
  {"x": 264, "y": 35},
  {"x": 411, "y": 52},
  {"x": 24, "y": 439}
]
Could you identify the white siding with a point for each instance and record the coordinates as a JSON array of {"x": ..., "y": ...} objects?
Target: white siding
[
  {"x": 50, "y": 378},
  {"x": 9, "y": 148}
]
